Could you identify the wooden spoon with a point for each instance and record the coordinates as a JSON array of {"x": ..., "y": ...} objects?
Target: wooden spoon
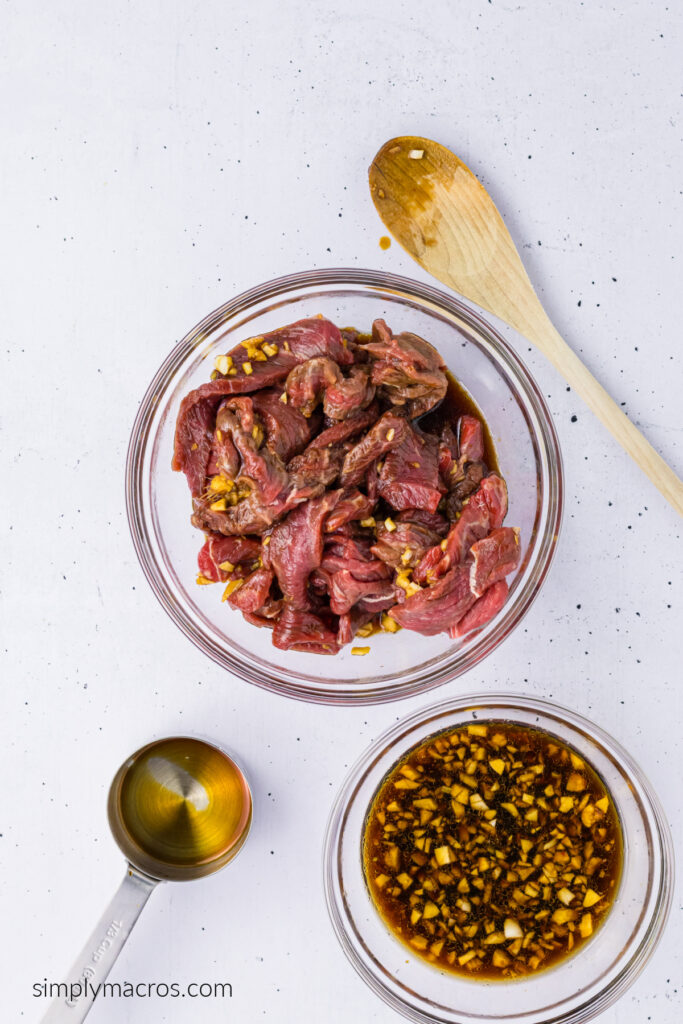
[{"x": 443, "y": 216}]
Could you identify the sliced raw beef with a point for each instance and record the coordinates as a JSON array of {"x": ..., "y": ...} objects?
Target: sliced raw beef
[
  {"x": 293, "y": 344},
  {"x": 352, "y": 505},
  {"x": 346, "y": 591},
  {"x": 296, "y": 548},
  {"x": 219, "y": 553},
  {"x": 287, "y": 430},
  {"x": 438, "y": 607},
  {"x": 387, "y": 433},
  {"x": 302, "y": 631},
  {"x": 471, "y": 439},
  {"x": 338, "y": 432},
  {"x": 482, "y": 611},
  {"x": 326, "y": 498},
  {"x": 484, "y": 511},
  {"x": 253, "y": 594},
  {"x": 493, "y": 558},
  {"x": 405, "y": 545},
  {"x": 410, "y": 370},
  {"x": 410, "y": 474}
]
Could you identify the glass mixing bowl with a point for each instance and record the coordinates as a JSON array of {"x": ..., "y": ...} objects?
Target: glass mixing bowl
[
  {"x": 580, "y": 986},
  {"x": 158, "y": 500}
]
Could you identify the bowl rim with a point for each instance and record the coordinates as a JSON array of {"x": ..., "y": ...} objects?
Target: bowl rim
[
  {"x": 544, "y": 438},
  {"x": 480, "y": 702}
]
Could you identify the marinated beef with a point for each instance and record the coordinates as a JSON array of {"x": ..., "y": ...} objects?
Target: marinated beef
[{"x": 333, "y": 503}]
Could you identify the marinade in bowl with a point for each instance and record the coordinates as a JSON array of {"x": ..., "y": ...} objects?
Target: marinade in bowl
[
  {"x": 608, "y": 902},
  {"x": 493, "y": 850},
  {"x": 498, "y": 384}
]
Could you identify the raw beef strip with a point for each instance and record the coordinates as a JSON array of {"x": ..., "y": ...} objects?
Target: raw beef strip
[
  {"x": 253, "y": 593},
  {"x": 438, "y": 607},
  {"x": 484, "y": 511},
  {"x": 493, "y": 558},
  {"x": 343, "y": 545},
  {"x": 261, "y": 468},
  {"x": 352, "y": 505},
  {"x": 404, "y": 546},
  {"x": 194, "y": 438},
  {"x": 296, "y": 548},
  {"x": 297, "y": 630},
  {"x": 295, "y": 343},
  {"x": 387, "y": 433},
  {"x": 482, "y": 611},
  {"x": 321, "y": 380},
  {"x": 287, "y": 431},
  {"x": 462, "y": 481},
  {"x": 471, "y": 438},
  {"x": 432, "y": 520},
  {"x": 219, "y": 550},
  {"x": 351, "y": 622},
  {"x": 346, "y": 591},
  {"x": 408, "y": 368},
  {"x": 339, "y": 432},
  {"x": 316, "y": 466},
  {"x": 350, "y": 394},
  {"x": 410, "y": 474}
]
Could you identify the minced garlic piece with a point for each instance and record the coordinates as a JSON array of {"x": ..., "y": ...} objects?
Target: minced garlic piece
[
  {"x": 221, "y": 485},
  {"x": 223, "y": 364},
  {"x": 232, "y": 586}
]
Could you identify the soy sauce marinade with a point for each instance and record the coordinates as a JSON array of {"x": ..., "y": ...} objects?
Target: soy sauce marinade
[{"x": 492, "y": 850}]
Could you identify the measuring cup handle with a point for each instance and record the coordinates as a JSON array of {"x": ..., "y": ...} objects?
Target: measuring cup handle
[{"x": 83, "y": 984}]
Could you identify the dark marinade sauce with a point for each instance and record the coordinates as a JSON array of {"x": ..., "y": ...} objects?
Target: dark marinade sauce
[{"x": 520, "y": 870}]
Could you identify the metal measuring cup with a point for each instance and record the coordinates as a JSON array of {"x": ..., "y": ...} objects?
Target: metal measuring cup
[{"x": 179, "y": 809}]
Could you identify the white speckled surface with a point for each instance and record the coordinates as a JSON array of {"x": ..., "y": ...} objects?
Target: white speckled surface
[{"x": 157, "y": 159}]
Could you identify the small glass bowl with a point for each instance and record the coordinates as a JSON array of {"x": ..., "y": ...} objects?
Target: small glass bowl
[
  {"x": 578, "y": 987},
  {"x": 158, "y": 501}
]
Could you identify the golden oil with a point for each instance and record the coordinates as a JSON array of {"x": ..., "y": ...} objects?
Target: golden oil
[{"x": 183, "y": 803}]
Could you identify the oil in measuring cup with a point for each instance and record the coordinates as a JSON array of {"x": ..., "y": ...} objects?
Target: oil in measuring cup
[
  {"x": 180, "y": 804},
  {"x": 179, "y": 809}
]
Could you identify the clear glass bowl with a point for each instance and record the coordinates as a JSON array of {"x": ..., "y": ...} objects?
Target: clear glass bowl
[
  {"x": 575, "y": 990},
  {"x": 158, "y": 500}
]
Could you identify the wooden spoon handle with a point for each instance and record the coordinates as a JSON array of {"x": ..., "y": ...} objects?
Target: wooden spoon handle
[{"x": 608, "y": 412}]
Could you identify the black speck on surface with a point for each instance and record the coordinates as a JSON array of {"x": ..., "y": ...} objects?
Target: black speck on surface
[{"x": 574, "y": 419}]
